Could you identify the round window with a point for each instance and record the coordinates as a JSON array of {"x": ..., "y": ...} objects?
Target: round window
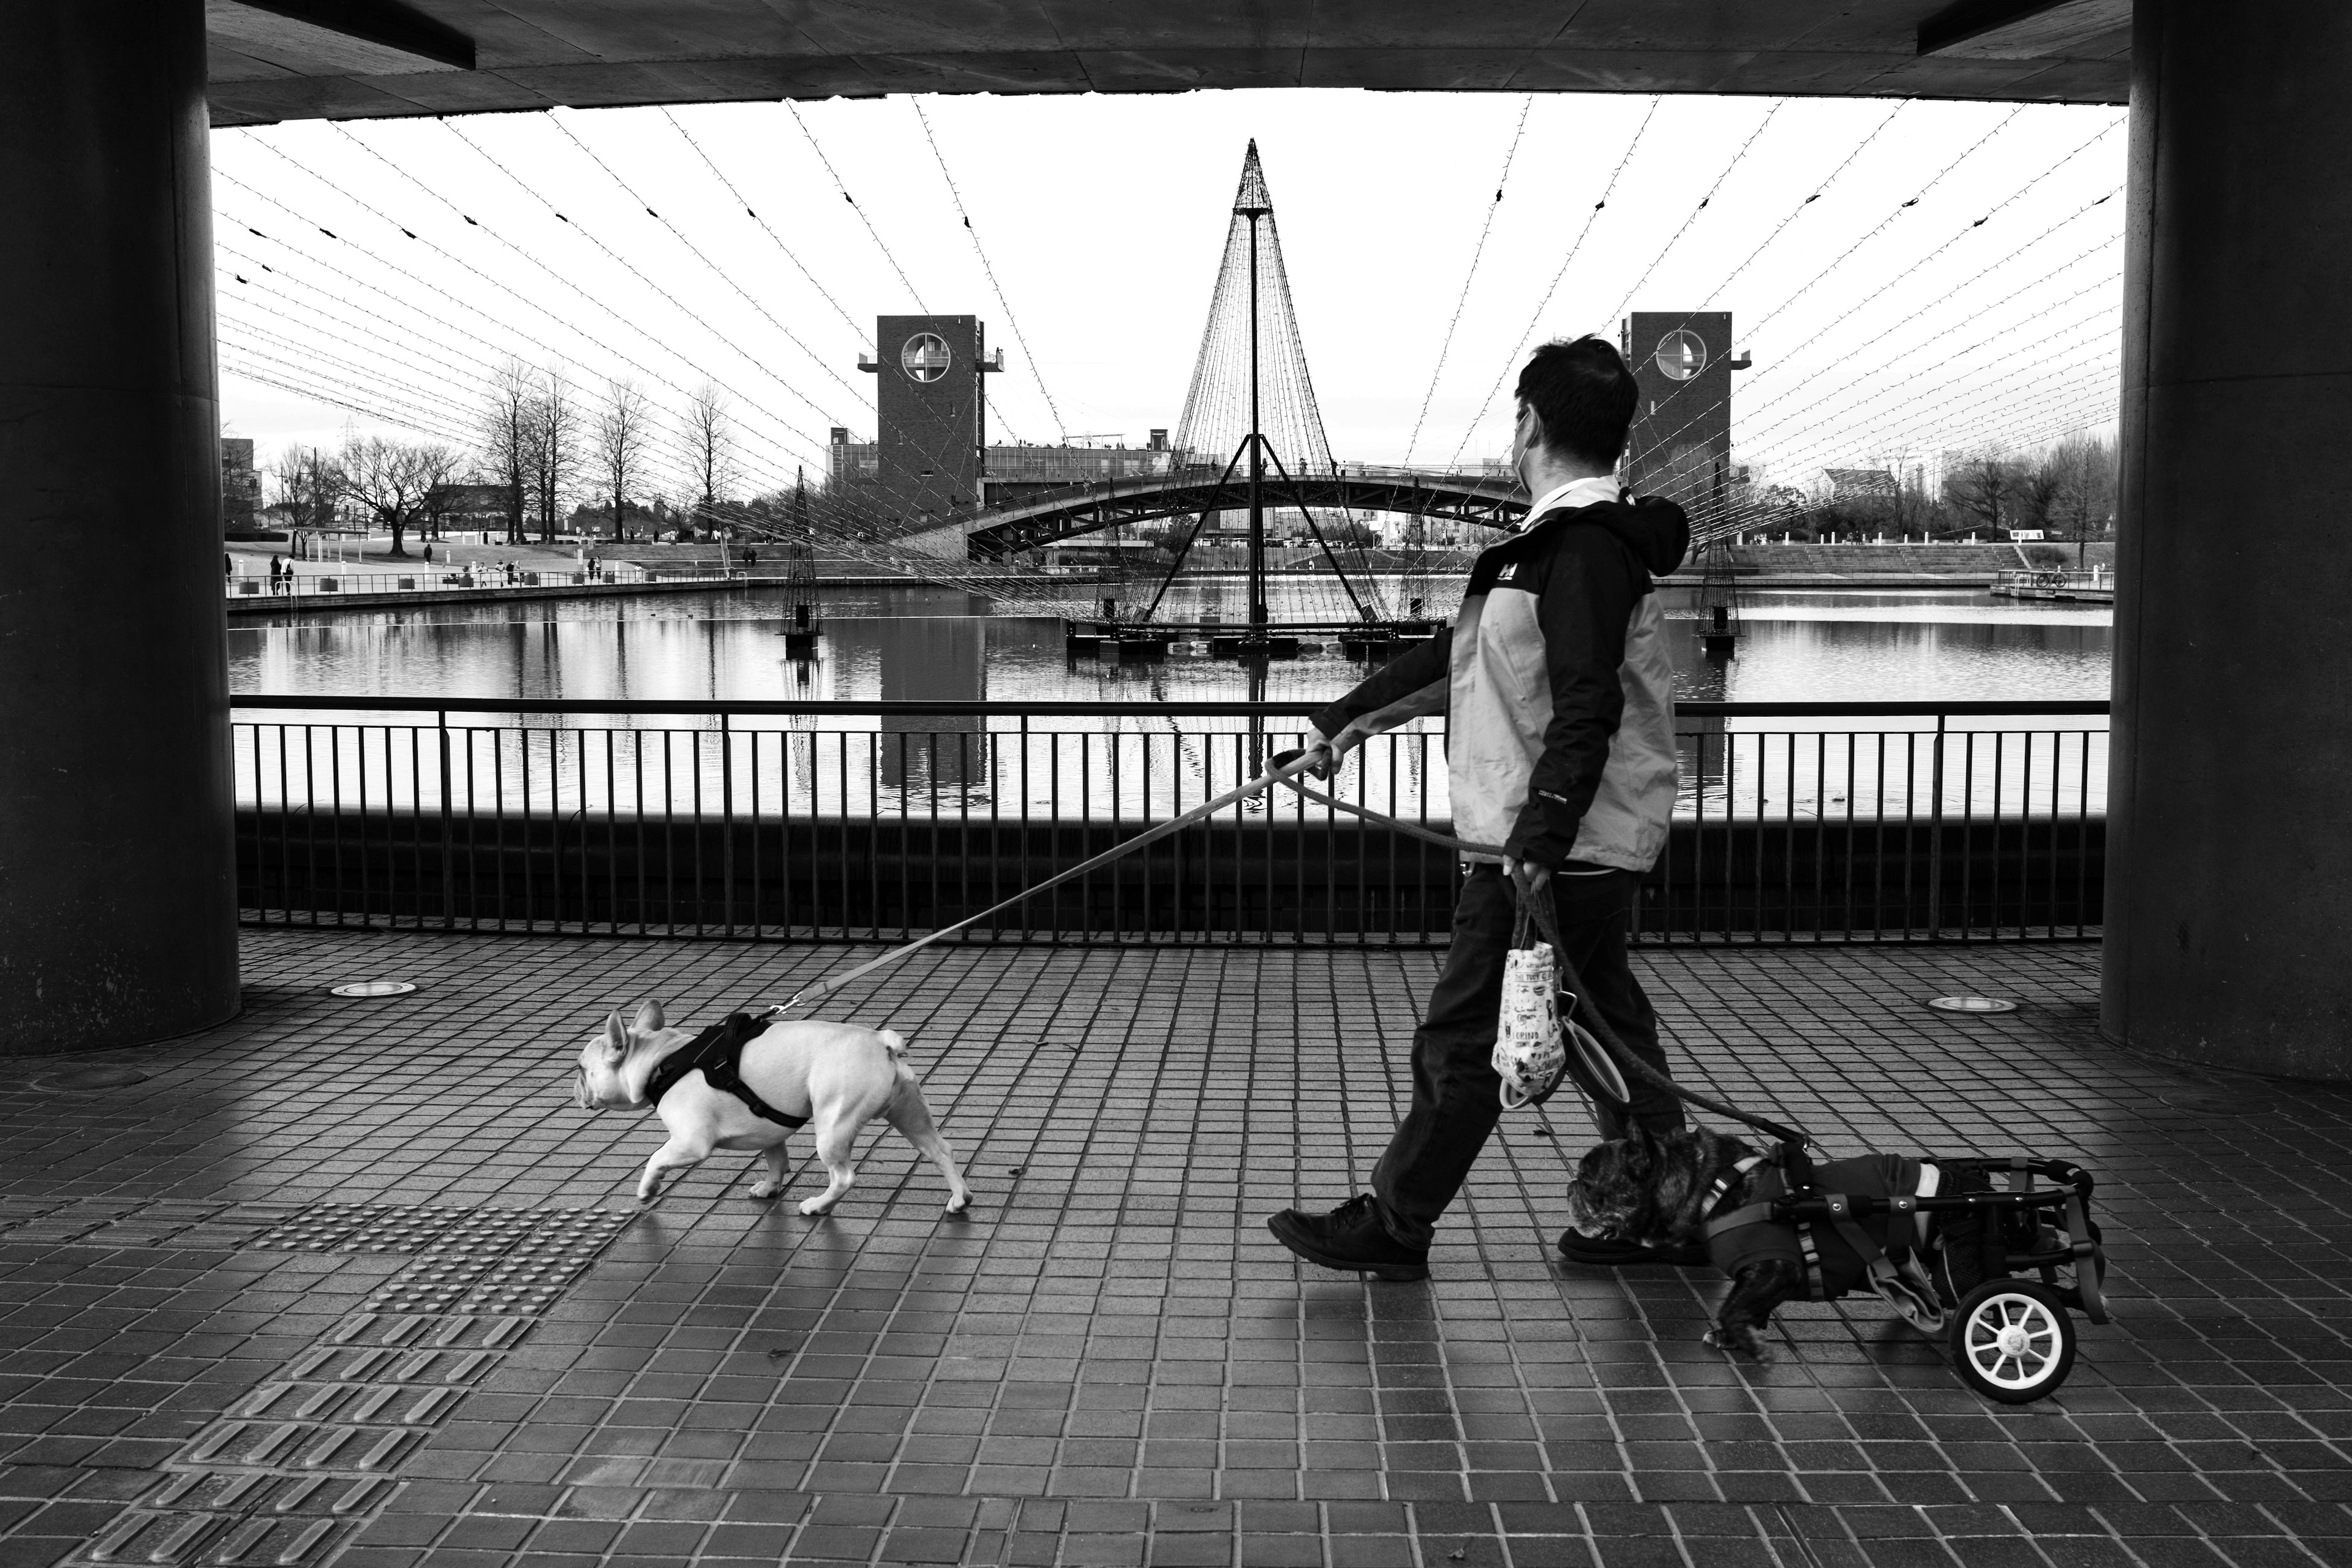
[
  {"x": 926, "y": 356},
  {"x": 1682, "y": 354}
]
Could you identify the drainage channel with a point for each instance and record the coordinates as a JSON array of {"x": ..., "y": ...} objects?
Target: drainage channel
[{"x": 305, "y": 1461}]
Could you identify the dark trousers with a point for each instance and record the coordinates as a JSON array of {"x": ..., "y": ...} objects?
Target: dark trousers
[{"x": 1455, "y": 1087}]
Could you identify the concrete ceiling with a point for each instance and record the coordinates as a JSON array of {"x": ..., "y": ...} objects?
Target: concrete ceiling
[{"x": 341, "y": 59}]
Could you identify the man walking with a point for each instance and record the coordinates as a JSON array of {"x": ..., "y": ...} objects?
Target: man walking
[{"x": 1559, "y": 689}]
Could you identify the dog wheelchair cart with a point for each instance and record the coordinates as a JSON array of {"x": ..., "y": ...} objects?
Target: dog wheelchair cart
[{"x": 2013, "y": 1340}]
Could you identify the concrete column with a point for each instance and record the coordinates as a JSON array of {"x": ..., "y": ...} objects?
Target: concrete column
[
  {"x": 117, "y": 878},
  {"x": 2229, "y": 913}
]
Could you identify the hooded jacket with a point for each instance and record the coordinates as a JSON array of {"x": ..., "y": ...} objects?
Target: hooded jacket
[{"x": 1558, "y": 690}]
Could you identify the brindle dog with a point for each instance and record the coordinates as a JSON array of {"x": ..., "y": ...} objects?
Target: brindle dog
[{"x": 1653, "y": 1189}]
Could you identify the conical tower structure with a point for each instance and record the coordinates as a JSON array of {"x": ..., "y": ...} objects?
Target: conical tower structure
[
  {"x": 1217, "y": 404},
  {"x": 1251, "y": 421}
]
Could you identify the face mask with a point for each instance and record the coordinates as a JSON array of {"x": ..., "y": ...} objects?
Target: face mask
[{"x": 1519, "y": 454}]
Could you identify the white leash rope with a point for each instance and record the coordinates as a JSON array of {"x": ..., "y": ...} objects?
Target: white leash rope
[{"x": 1281, "y": 773}]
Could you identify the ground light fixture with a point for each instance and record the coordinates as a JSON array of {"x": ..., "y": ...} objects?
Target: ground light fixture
[
  {"x": 1972, "y": 1004},
  {"x": 371, "y": 988}
]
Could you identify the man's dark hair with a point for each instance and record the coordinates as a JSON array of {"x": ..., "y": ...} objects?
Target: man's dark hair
[{"x": 1585, "y": 397}]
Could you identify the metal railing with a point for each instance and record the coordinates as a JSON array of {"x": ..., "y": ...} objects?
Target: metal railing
[{"x": 865, "y": 821}]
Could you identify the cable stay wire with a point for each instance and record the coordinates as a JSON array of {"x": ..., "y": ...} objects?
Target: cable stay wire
[
  {"x": 839, "y": 184},
  {"x": 684, "y": 310},
  {"x": 1534, "y": 322},
  {"x": 1953, "y": 390},
  {"x": 831, "y": 418},
  {"x": 710, "y": 164},
  {"x": 1463, "y": 298},
  {"x": 880, "y": 535},
  {"x": 1888, "y": 221},
  {"x": 2076, "y": 348},
  {"x": 1712, "y": 192},
  {"x": 2111, "y": 281},
  {"x": 1957, "y": 422},
  {"x": 393, "y": 349},
  {"x": 2070, "y": 413},
  {"x": 774, "y": 471},
  {"x": 306, "y": 380},
  {"x": 1950, "y": 406},
  {"x": 720, "y": 272},
  {"x": 2008, "y": 257},
  {"x": 2002, "y": 260},
  {"x": 1820, "y": 189},
  {"x": 504, "y": 326},
  {"x": 1036, "y": 371}
]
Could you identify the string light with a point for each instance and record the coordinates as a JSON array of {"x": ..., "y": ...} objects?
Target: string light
[
  {"x": 1013, "y": 324},
  {"x": 1476, "y": 254}
]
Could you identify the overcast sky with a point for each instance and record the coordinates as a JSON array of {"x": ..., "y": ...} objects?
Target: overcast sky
[{"x": 1985, "y": 312}]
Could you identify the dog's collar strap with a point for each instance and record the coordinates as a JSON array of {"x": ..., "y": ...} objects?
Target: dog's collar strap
[{"x": 718, "y": 1051}]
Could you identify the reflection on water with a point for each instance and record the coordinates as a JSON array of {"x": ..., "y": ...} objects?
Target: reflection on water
[{"x": 1936, "y": 645}]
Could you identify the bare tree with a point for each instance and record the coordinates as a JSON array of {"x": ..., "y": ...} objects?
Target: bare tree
[
  {"x": 1982, "y": 485},
  {"x": 508, "y": 416},
  {"x": 392, "y": 479},
  {"x": 709, "y": 443},
  {"x": 555, "y": 448},
  {"x": 306, "y": 478},
  {"x": 623, "y": 427},
  {"x": 2084, "y": 468}
]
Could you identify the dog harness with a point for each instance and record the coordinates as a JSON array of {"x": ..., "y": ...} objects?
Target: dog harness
[
  {"x": 718, "y": 1052},
  {"x": 1839, "y": 1255}
]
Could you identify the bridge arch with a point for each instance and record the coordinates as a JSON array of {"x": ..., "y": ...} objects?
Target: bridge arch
[{"x": 995, "y": 532}]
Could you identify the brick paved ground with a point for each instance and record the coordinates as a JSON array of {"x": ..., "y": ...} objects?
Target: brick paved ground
[{"x": 348, "y": 1279}]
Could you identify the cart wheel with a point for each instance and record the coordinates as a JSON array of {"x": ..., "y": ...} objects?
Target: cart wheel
[{"x": 2012, "y": 1340}]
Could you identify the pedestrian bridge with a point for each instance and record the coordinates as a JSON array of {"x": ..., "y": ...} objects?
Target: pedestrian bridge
[{"x": 984, "y": 533}]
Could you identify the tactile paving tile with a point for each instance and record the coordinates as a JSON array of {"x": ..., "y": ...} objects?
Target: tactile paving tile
[
  {"x": 455, "y": 1228},
  {"x": 305, "y": 1459}
]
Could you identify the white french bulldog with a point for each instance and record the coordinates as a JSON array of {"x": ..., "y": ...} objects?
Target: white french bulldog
[{"x": 838, "y": 1076}]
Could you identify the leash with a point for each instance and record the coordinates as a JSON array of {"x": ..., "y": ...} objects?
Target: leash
[
  {"x": 1547, "y": 926},
  {"x": 1286, "y": 766}
]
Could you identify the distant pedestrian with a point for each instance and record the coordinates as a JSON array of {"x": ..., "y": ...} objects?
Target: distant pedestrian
[
  {"x": 228, "y": 565},
  {"x": 428, "y": 556}
]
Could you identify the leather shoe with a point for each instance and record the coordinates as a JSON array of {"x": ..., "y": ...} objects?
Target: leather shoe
[
  {"x": 1607, "y": 1252},
  {"x": 1350, "y": 1237}
]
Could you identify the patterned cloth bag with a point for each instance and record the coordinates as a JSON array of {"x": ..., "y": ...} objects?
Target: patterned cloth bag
[{"x": 1531, "y": 1055}]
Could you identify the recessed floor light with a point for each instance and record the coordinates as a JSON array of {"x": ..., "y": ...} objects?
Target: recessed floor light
[
  {"x": 374, "y": 988},
  {"x": 80, "y": 1080},
  {"x": 1973, "y": 1005}
]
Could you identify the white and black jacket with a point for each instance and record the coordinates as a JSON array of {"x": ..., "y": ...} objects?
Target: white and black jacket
[{"x": 1557, "y": 688}]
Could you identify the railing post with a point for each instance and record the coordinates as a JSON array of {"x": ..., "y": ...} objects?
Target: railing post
[
  {"x": 727, "y": 824},
  {"x": 449, "y": 853},
  {"x": 1935, "y": 840}
]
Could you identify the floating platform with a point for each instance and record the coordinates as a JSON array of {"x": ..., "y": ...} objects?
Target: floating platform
[{"x": 1229, "y": 639}]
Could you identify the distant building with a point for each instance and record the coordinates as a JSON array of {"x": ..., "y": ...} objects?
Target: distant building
[
  {"x": 470, "y": 506},
  {"x": 1852, "y": 485},
  {"x": 1006, "y": 473},
  {"x": 240, "y": 487}
]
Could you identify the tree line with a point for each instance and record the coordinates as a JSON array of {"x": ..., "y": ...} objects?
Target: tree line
[
  {"x": 546, "y": 448},
  {"x": 2067, "y": 488}
]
